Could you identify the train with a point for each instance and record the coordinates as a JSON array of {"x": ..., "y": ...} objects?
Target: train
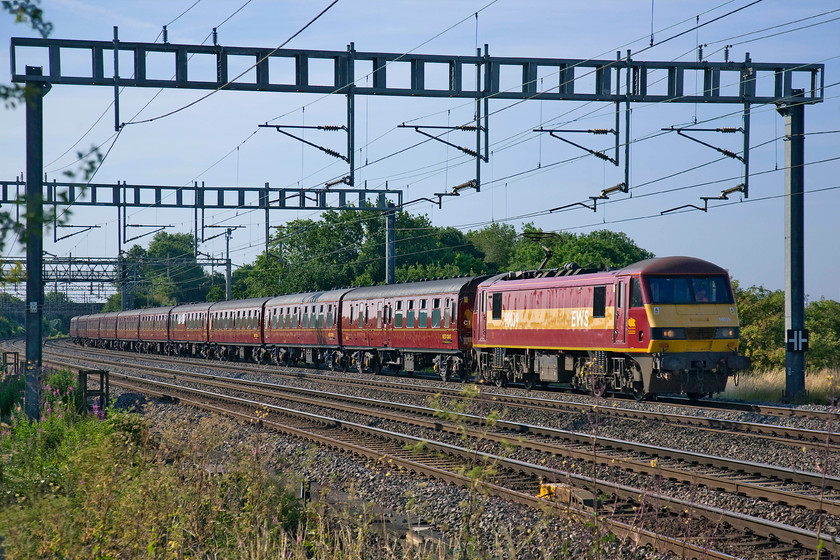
[{"x": 661, "y": 325}]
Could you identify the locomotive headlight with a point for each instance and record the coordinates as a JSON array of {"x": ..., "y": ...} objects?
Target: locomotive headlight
[
  {"x": 727, "y": 332},
  {"x": 662, "y": 333}
]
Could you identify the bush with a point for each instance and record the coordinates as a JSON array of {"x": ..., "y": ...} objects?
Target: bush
[
  {"x": 11, "y": 392},
  {"x": 82, "y": 487}
]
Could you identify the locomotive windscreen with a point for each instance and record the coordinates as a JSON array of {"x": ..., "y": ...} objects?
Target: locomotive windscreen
[{"x": 689, "y": 289}]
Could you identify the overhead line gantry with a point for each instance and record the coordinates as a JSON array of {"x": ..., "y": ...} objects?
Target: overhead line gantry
[{"x": 608, "y": 76}]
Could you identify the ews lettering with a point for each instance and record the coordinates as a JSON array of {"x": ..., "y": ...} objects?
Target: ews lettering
[{"x": 580, "y": 318}]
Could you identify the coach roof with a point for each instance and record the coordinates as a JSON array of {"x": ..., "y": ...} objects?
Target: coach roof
[
  {"x": 307, "y": 297},
  {"x": 431, "y": 287}
]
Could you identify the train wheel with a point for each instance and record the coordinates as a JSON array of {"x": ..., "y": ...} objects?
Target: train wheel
[
  {"x": 376, "y": 365},
  {"x": 285, "y": 359},
  {"x": 500, "y": 380},
  {"x": 599, "y": 388},
  {"x": 465, "y": 375},
  {"x": 530, "y": 383},
  {"x": 639, "y": 391},
  {"x": 694, "y": 396}
]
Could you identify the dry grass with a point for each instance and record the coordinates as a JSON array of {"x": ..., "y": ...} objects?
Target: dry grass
[{"x": 821, "y": 387}]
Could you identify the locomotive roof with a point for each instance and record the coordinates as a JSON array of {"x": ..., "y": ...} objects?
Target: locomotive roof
[
  {"x": 308, "y": 297},
  {"x": 430, "y": 287},
  {"x": 672, "y": 265},
  {"x": 572, "y": 275}
]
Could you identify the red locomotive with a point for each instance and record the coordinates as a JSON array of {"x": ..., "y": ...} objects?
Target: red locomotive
[
  {"x": 656, "y": 326},
  {"x": 666, "y": 325}
]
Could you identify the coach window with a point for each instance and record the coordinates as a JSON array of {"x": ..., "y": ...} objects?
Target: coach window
[
  {"x": 447, "y": 314},
  {"x": 436, "y": 313},
  {"x": 497, "y": 306},
  {"x": 329, "y": 316},
  {"x": 409, "y": 320},
  {"x": 399, "y": 315},
  {"x": 423, "y": 315},
  {"x": 352, "y": 313},
  {"x": 599, "y": 301}
]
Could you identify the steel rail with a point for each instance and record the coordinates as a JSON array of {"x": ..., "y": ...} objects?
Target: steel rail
[
  {"x": 755, "y": 526},
  {"x": 799, "y": 437}
]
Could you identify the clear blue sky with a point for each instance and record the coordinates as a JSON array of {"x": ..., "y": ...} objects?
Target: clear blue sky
[{"x": 215, "y": 140}]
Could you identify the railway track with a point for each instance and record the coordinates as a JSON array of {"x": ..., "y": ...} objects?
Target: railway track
[
  {"x": 717, "y": 532},
  {"x": 793, "y": 436},
  {"x": 629, "y": 456}
]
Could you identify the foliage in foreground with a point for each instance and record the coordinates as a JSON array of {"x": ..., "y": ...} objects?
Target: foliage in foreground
[{"x": 82, "y": 487}]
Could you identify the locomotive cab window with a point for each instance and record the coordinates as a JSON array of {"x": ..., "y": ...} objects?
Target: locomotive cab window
[
  {"x": 599, "y": 301},
  {"x": 689, "y": 289},
  {"x": 636, "y": 293},
  {"x": 497, "y": 306}
]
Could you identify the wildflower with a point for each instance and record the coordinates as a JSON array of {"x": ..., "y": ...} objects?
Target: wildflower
[{"x": 653, "y": 463}]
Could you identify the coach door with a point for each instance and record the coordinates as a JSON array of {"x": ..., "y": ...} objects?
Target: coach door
[
  {"x": 481, "y": 316},
  {"x": 620, "y": 329}
]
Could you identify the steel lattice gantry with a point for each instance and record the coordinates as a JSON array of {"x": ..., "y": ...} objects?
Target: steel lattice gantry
[
  {"x": 84, "y": 270},
  {"x": 607, "y": 73},
  {"x": 607, "y": 87}
]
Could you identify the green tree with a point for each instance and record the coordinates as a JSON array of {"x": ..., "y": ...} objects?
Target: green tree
[
  {"x": 497, "y": 242},
  {"x": 172, "y": 269},
  {"x": 314, "y": 255},
  {"x": 762, "y": 316},
  {"x": 599, "y": 248},
  {"x": 822, "y": 319}
]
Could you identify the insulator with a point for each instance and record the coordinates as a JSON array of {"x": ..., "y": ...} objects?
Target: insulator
[
  {"x": 333, "y": 153},
  {"x": 600, "y": 131},
  {"x": 699, "y": 53},
  {"x": 330, "y": 127},
  {"x": 728, "y": 153},
  {"x": 604, "y": 157},
  {"x": 165, "y": 35},
  {"x": 215, "y": 37},
  {"x": 728, "y": 129}
]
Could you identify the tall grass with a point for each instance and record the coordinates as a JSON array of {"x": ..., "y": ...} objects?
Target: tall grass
[{"x": 821, "y": 386}]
